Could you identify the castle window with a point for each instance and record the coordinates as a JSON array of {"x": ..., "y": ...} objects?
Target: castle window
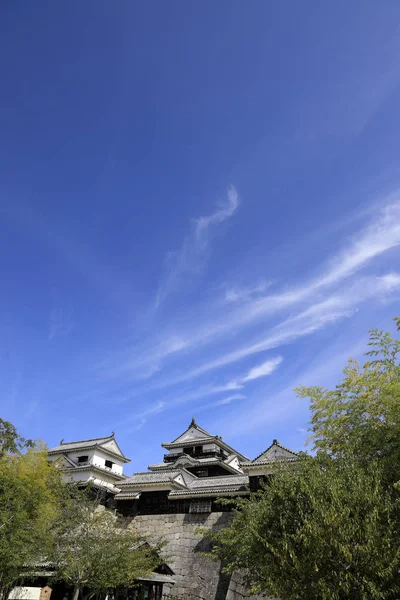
[
  {"x": 82, "y": 459},
  {"x": 109, "y": 464},
  {"x": 200, "y": 506},
  {"x": 202, "y": 473},
  {"x": 256, "y": 482}
]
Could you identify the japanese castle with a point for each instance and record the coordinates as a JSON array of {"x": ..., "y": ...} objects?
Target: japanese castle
[
  {"x": 198, "y": 469},
  {"x": 99, "y": 461}
]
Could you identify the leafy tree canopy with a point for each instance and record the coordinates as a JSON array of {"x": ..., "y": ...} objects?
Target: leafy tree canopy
[
  {"x": 10, "y": 441},
  {"x": 320, "y": 530},
  {"x": 93, "y": 551},
  {"x": 28, "y": 509},
  {"x": 327, "y": 527},
  {"x": 44, "y": 519},
  {"x": 360, "y": 417}
]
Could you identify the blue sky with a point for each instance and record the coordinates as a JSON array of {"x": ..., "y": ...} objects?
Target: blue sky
[{"x": 200, "y": 209}]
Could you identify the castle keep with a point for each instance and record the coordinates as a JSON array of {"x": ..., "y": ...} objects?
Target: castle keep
[{"x": 174, "y": 497}]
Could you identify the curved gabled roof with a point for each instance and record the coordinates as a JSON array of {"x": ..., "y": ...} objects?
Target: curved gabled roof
[
  {"x": 107, "y": 444},
  {"x": 193, "y": 432},
  {"x": 185, "y": 460},
  {"x": 275, "y": 452},
  {"x": 196, "y": 436}
]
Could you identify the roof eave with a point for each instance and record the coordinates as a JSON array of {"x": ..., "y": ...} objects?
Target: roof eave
[
  {"x": 84, "y": 468},
  {"x": 195, "y": 442},
  {"x": 200, "y": 442},
  {"x": 193, "y": 425},
  {"x": 250, "y": 466},
  {"x": 62, "y": 452},
  {"x": 274, "y": 443},
  {"x": 208, "y": 494}
]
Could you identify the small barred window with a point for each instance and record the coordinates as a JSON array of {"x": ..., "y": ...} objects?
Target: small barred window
[{"x": 200, "y": 506}]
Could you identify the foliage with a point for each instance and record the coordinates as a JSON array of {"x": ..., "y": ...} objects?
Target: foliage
[
  {"x": 28, "y": 508},
  {"x": 360, "y": 417},
  {"x": 327, "y": 527},
  {"x": 10, "y": 441},
  {"x": 323, "y": 529},
  {"x": 93, "y": 552},
  {"x": 44, "y": 520}
]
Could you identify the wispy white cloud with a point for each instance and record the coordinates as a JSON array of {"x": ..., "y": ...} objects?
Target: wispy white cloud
[
  {"x": 146, "y": 361},
  {"x": 380, "y": 236},
  {"x": 262, "y": 370},
  {"x": 306, "y": 322},
  {"x": 266, "y": 368},
  {"x": 202, "y": 392},
  {"x": 283, "y": 405},
  {"x": 279, "y": 336},
  {"x": 254, "y": 322},
  {"x": 235, "y": 384},
  {"x": 224, "y": 211},
  {"x": 137, "y": 420},
  {"x": 315, "y": 317},
  {"x": 318, "y": 293},
  {"x": 229, "y": 399},
  {"x": 221, "y": 402},
  {"x": 242, "y": 294},
  {"x": 190, "y": 258}
]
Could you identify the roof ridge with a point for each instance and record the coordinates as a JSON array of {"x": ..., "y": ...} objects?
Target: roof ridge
[
  {"x": 238, "y": 474},
  {"x": 274, "y": 443},
  {"x": 189, "y": 473},
  {"x": 197, "y": 442},
  {"x": 285, "y": 448},
  {"x": 193, "y": 424},
  {"x": 108, "y": 437},
  {"x": 146, "y": 473}
]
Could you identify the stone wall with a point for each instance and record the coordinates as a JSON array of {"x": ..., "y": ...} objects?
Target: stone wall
[{"x": 195, "y": 576}]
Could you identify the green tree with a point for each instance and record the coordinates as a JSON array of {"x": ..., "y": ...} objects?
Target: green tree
[
  {"x": 93, "y": 552},
  {"x": 41, "y": 518},
  {"x": 10, "y": 440},
  {"x": 28, "y": 508},
  {"x": 360, "y": 417},
  {"x": 327, "y": 527},
  {"x": 321, "y": 530}
]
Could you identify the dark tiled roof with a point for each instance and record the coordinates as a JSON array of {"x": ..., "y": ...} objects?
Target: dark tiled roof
[
  {"x": 259, "y": 459},
  {"x": 65, "y": 447},
  {"x": 128, "y": 495},
  {"x": 151, "y": 477},
  {"x": 189, "y": 461},
  {"x": 232, "y": 491},
  {"x": 214, "y": 485},
  {"x": 270, "y": 461},
  {"x": 219, "y": 482},
  {"x": 162, "y": 465},
  {"x": 192, "y": 484},
  {"x": 96, "y": 468},
  {"x": 198, "y": 441},
  {"x": 198, "y": 433},
  {"x": 198, "y": 437}
]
